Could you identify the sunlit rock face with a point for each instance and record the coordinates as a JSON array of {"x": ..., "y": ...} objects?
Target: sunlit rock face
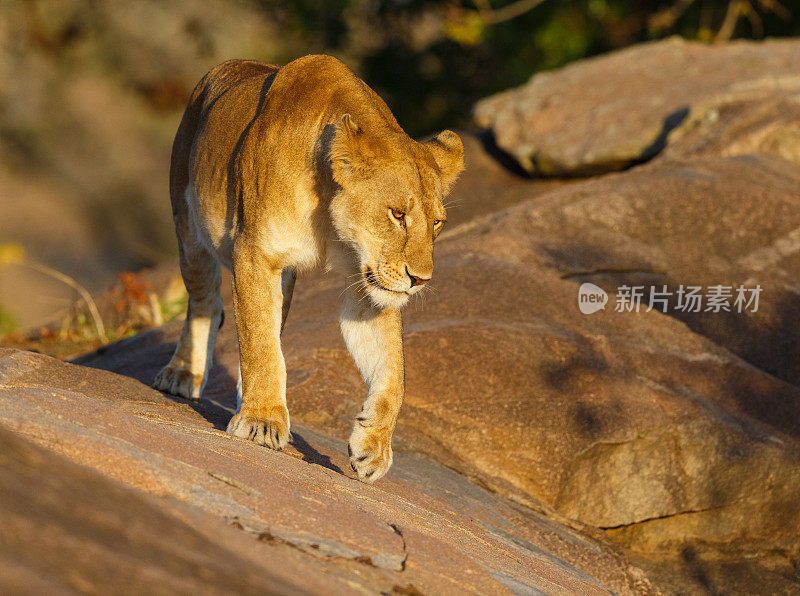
[{"x": 612, "y": 111}]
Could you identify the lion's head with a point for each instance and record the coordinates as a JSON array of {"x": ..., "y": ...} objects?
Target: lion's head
[{"x": 389, "y": 205}]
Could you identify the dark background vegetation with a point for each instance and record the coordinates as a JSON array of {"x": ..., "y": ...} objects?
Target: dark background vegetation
[{"x": 432, "y": 59}]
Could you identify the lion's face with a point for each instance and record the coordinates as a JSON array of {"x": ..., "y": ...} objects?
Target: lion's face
[{"x": 389, "y": 208}]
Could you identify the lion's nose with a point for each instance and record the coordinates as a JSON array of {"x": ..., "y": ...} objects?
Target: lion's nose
[{"x": 416, "y": 280}]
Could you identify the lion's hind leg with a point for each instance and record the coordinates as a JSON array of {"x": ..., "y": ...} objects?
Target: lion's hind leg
[{"x": 187, "y": 371}]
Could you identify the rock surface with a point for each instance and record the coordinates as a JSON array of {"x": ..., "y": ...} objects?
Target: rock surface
[
  {"x": 612, "y": 111},
  {"x": 67, "y": 529},
  {"x": 703, "y": 221},
  {"x": 741, "y": 125},
  {"x": 295, "y": 521}
]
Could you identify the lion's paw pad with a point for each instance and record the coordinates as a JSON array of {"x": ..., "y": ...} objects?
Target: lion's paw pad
[
  {"x": 271, "y": 432},
  {"x": 370, "y": 454},
  {"x": 179, "y": 381}
]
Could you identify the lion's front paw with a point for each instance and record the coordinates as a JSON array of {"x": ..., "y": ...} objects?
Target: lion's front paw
[
  {"x": 179, "y": 381},
  {"x": 271, "y": 430},
  {"x": 370, "y": 450}
]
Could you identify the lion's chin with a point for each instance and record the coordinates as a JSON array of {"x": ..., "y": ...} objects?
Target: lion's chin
[{"x": 383, "y": 298}]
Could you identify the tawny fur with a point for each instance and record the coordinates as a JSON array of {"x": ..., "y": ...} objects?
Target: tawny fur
[{"x": 279, "y": 170}]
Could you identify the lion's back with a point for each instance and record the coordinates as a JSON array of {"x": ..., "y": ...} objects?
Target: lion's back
[
  {"x": 224, "y": 77},
  {"x": 219, "y": 109}
]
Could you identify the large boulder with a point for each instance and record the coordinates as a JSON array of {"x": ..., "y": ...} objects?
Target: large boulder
[
  {"x": 702, "y": 221},
  {"x": 230, "y": 516},
  {"x": 609, "y": 112}
]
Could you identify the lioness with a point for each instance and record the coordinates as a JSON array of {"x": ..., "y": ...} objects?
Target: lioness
[{"x": 278, "y": 170}]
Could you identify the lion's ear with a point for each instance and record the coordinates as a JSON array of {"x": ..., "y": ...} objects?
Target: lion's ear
[
  {"x": 448, "y": 151},
  {"x": 347, "y": 150}
]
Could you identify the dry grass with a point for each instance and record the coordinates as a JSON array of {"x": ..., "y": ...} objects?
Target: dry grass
[{"x": 132, "y": 305}]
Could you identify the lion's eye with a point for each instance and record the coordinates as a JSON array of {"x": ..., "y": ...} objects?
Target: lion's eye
[
  {"x": 399, "y": 215},
  {"x": 437, "y": 222}
]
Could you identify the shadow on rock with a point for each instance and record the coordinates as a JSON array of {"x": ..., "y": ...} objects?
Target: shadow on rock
[
  {"x": 313, "y": 456},
  {"x": 143, "y": 358}
]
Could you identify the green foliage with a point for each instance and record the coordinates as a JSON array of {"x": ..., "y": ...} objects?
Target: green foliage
[
  {"x": 563, "y": 38},
  {"x": 466, "y": 30},
  {"x": 173, "y": 308},
  {"x": 8, "y": 323}
]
